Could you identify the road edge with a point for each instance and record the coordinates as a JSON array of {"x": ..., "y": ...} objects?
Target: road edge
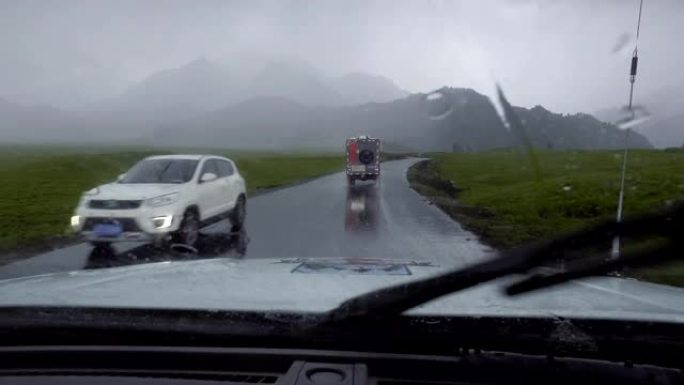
[{"x": 424, "y": 179}]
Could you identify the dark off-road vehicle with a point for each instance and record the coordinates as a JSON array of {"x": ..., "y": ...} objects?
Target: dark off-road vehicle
[{"x": 363, "y": 159}]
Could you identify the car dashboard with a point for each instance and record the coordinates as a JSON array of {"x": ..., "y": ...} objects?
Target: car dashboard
[
  {"x": 173, "y": 365},
  {"x": 134, "y": 346}
]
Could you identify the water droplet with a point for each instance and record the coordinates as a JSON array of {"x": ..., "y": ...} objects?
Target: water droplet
[
  {"x": 623, "y": 44},
  {"x": 631, "y": 118},
  {"x": 434, "y": 96},
  {"x": 439, "y": 105}
]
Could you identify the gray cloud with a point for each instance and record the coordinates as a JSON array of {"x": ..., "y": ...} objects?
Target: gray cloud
[{"x": 559, "y": 54}]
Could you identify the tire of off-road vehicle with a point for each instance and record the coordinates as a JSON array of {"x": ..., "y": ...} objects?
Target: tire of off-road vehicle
[
  {"x": 188, "y": 231},
  {"x": 366, "y": 156},
  {"x": 238, "y": 215}
]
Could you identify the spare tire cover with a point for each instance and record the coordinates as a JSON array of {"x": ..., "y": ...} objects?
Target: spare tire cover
[{"x": 366, "y": 156}]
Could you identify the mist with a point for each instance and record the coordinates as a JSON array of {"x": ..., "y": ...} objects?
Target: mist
[{"x": 570, "y": 56}]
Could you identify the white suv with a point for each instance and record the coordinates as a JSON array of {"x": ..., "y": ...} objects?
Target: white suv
[{"x": 163, "y": 198}]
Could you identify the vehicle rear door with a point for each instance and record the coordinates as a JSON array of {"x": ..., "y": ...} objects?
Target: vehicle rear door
[
  {"x": 209, "y": 193},
  {"x": 353, "y": 164}
]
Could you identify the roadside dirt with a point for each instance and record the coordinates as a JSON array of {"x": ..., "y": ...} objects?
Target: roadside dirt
[{"x": 443, "y": 193}]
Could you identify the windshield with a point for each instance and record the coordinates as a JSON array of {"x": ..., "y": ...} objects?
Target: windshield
[
  {"x": 293, "y": 156},
  {"x": 161, "y": 171}
]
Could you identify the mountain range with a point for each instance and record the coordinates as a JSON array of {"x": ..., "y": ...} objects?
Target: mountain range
[
  {"x": 202, "y": 86},
  {"x": 285, "y": 104},
  {"x": 470, "y": 123}
]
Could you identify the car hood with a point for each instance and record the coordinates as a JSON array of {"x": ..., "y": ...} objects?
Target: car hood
[
  {"x": 135, "y": 191},
  {"x": 297, "y": 285}
]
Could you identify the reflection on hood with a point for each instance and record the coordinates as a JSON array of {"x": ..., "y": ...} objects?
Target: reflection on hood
[
  {"x": 321, "y": 285},
  {"x": 134, "y": 191}
]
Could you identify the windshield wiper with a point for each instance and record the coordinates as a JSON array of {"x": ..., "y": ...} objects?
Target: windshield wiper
[{"x": 666, "y": 225}]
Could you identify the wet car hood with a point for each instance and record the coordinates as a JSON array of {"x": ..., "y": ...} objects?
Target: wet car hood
[
  {"x": 135, "y": 191},
  {"x": 318, "y": 285}
]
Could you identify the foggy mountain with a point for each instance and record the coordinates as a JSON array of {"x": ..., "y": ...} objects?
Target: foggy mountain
[
  {"x": 202, "y": 86},
  {"x": 360, "y": 88},
  {"x": 296, "y": 82},
  {"x": 165, "y": 96},
  {"x": 471, "y": 125},
  {"x": 665, "y": 128},
  {"x": 550, "y": 130},
  {"x": 20, "y": 123},
  {"x": 196, "y": 87},
  {"x": 282, "y": 104}
]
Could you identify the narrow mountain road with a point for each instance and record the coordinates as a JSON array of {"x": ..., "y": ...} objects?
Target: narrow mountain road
[{"x": 323, "y": 218}]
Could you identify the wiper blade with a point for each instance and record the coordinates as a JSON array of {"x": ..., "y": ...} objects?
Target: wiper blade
[
  {"x": 649, "y": 256},
  {"x": 394, "y": 300}
]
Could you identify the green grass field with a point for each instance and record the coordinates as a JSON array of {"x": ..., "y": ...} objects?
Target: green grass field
[
  {"x": 41, "y": 186},
  {"x": 500, "y": 199}
]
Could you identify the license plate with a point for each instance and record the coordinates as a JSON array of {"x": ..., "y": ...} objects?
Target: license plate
[
  {"x": 108, "y": 229},
  {"x": 358, "y": 168}
]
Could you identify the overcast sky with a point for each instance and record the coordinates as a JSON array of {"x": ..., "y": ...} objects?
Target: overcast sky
[{"x": 560, "y": 54}]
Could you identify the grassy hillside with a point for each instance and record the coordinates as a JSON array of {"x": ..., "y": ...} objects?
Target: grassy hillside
[
  {"x": 41, "y": 186},
  {"x": 500, "y": 199}
]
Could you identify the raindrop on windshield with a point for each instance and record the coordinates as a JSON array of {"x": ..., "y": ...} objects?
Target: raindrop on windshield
[
  {"x": 623, "y": 44},
  {"x": 434, "y": 96},
  {"x": 631, "y": 118},
  {"x": 438, "y": 105}
]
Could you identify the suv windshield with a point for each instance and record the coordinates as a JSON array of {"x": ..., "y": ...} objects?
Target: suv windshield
[{"x": 161, "y": 171}]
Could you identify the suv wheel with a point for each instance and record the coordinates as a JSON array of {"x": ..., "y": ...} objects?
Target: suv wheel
[
  {"x": 188, "y": 232},
  {"x": 237, "y": 217},
  {"x": 101, "y": 245}
]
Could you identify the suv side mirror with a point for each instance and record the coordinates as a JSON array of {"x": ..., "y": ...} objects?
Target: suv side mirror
[
  {"x": 120, "y": 177},
  {"x": 208, "y": 177}
]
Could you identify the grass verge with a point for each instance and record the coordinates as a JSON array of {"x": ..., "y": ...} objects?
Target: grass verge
[
  {"x": 495, "y": 195},
  {"x": 41, "y": 187}
]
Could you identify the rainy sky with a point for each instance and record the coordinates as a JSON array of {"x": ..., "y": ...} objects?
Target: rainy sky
[{"x": 568, "y": 55}]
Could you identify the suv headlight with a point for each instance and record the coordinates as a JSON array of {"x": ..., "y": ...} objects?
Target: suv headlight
[
  {"x": 93, "y": 191},
  {"x": 163, "y": 200},
  {"x": 75, "y": 221}
]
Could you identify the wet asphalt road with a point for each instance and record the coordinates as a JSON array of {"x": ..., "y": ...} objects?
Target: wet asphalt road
[{"x": 323, "y": 218}]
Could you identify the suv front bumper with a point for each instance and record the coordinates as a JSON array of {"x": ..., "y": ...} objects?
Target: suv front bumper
[{"x": 145, "y": 224}]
